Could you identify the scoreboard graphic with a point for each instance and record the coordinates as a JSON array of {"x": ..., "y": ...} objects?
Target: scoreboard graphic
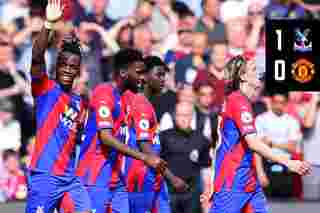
[{"x": 292, "y": 55}]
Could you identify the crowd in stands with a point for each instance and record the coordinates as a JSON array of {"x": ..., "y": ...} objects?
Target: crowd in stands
[{"x": 195, "y": 38}]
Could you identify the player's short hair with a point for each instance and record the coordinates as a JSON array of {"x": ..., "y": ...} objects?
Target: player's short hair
[
  {"x": 154, "y": 61},
  {"x": 71, "y": 43},
  {"x": 124, "y": 58},
  {"x": 9, "y": 153},
  {"x": 280, "y": 93},
  {"x": 232, "y": 72}
]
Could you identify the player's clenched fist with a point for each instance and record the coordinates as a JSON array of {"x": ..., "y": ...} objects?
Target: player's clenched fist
[
  {"x": 54, "y": 12},
  {"x": 156, "y": 163},
  {"x": 300, "y": 167}
]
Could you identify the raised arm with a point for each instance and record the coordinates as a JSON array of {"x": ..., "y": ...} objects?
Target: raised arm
[{"x": 54, "y": 12}]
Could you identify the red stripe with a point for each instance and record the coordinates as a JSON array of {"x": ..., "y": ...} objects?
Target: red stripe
[
  {"x": 229, "y": 166},
  {"x": 132, "y": 175},
  {"x": 156, "y": 207},
  {"x": 96, "y": 165},
  {"x": 84, "y": 164},
  {"x": 158, "y": 182},
  {"x": 141, "y": 174},
  {"x": 237, "y": 156},
  {"x": 48, "y": 127},
  {"x": 116, "y": 169},
  {"x": 67, "y": 204},
  {"x": 61, "y": 163},
  {"x": 41, "y": 86},
  {"x": 248, "y": 208},
  {"x": 109, "y": 208}
]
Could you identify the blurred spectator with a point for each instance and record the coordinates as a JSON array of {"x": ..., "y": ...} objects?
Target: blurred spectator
[
  {"x": 282, "y": 132},
  {"x": 98, "y": 14},
  {"x": 10, "y": 130},
  {"x": 26, "y": 160},
  {"x": 187, "y": 67},
  {"x": 179, "y": 44},
  {"x": 20, "y": 8},
  {"x": 241, "y": 38},
  {"x": 209, "y": 22},
  {"x": 187, "y": 152},
  {"x": 143, "y": 13},
  {"x": 215, "y": 73},
  {"x": 311, "y": 145},
  {"x": 142, "y": 39},
  {"x": 13, "y": 187},
  {"x": 207, "y": 120},
  {"x": 184, "y": 94},
  {"x": 285, "y": 9}
]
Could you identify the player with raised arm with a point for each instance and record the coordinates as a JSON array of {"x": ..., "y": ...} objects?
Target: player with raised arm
[
  {"x": 147, "y": 188},
  {"x": 236, "y": 187},
  {"x": 59, "y": 115},
  {"x": 103, "y": 146}
]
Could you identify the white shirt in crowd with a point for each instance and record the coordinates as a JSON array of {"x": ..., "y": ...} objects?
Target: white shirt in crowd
[
  {"x": 167, "y": 122},
  {"x": 311, "y": 143},
  {"x": 279, "y": 129}
]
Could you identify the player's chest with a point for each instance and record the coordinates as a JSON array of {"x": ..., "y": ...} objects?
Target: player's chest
[{"x": 69, "y": 113}]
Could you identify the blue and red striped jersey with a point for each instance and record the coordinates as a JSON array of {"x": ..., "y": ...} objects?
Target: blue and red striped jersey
[
  {"x": 143, "y": 128},
  {"x": 100, "y": 165},
  {"x": 58, "y": 117},
  {"x": 235, "y": 168}
]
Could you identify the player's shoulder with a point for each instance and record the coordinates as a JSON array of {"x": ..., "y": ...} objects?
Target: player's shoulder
[
  {"x": 103, "y": 88},
  {"x": 104, "y": 92},
  {"x": 236, "y": 98},
  {"x": 142, "y": 103}
]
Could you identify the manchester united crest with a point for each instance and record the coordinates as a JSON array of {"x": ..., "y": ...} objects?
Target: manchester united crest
[{"x": 303, "y": 71}]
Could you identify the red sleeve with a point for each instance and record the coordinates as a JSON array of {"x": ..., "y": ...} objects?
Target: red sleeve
[
  {"x": 102, "y": 104},
  {"x": 242, "y": 114},
  {"x": 143, "y": 119},
  {"x": 41, "y": 85}
]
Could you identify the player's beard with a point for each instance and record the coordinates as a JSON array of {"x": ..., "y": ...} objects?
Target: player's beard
[{"x": 133, "y": 86}]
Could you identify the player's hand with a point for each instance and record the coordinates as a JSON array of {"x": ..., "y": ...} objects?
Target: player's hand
[
  {"x": 264, "y": 180},
  {"x": 54, "y": 11},
  {"x": 300, "y": 167},
  {"x": 205, "y": 197},
  {"x": 157, "y": 163},
  {"x": 179, "y": 184}
]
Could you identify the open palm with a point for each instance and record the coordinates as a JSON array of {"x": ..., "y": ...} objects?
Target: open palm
[{"x": 54, "y": 10}]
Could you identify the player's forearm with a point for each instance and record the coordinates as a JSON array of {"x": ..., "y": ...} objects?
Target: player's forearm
[
  {"x": 259, "y": 164},
  {"x": 109, "y": 40},
  {"x": 310, "y": 116},
  {"x": 40, "y": 44},
  {"x": 146, "y": 148},
  {"x": 169, "y": 175},
  {"x": 289, "y": 147},
  {"x": 112, "y": 142},
  {"x": 253, "y": 39},
  {"x": 257, "y": 145}
]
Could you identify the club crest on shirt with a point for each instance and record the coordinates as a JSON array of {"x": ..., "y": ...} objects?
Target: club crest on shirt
[
  {"x": 246, "y": 117},
  {"x": 40, "y": 209},
  {"x": 104, "y": 112},
  {"x": 68, "y": 117},
  {"x": 194, "y": 155},
  {"x": 144, "y": 124}
]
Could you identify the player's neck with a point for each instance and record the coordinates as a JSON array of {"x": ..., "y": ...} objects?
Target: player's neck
[
  {"x": 66, "y": 89},
  {"x": 151, "y": 93},
  {"x": 245, "y": 90}
]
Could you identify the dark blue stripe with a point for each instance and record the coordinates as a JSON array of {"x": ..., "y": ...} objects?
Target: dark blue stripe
[
  {"x": 45, "y": 104},
  {"x": 90, "y": 131},
  {"x": 53, "y": 148},
  {"x": 230, "y": 136},
  {"x": 117, "y": 105}
]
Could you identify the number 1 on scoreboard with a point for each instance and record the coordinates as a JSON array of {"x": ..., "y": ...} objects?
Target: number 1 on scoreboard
[{"x": 279, "y": 39}]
